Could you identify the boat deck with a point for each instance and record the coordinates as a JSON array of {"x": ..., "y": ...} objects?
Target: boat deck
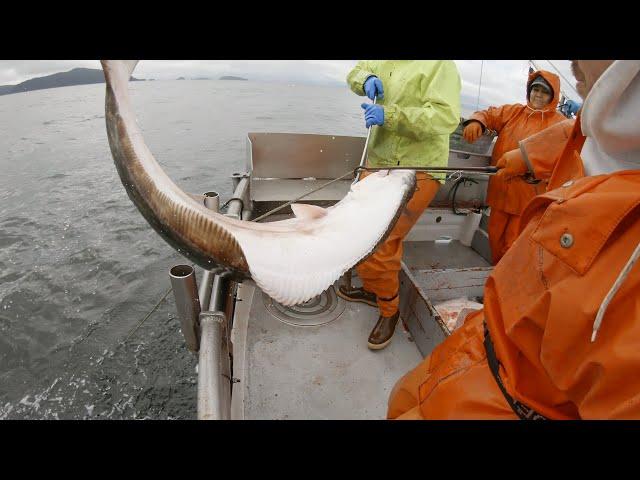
[
  {"x": 330, "y": 371},
  {"x": 320, "y": 372}
]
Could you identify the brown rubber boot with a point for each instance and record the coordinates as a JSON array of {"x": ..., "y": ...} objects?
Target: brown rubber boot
[
  {"x": 357, "y": 294},
  {"x": 382, "y": 333}
]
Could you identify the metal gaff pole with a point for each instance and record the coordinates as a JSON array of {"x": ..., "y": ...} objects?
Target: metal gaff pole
[{"x": 366, "y": 144}]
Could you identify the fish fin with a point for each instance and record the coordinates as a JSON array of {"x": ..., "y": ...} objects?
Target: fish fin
[{"x": 308, "y": 212}]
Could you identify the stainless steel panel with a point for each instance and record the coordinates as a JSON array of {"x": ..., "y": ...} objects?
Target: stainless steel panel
[
  {"x": 432, "y": 273},
  {"x": 441, "y": 285},
  {"x": 426, "y": 329},
  {"x": 283, "y": 190},
  {"x": 434, "y": 256},
  {"x": 480, "y": 244},
  {"x": 286, "y": 155}
]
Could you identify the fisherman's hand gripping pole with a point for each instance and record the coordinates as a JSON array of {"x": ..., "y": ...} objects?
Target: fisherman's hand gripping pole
[{"x": 477, "y": 170}]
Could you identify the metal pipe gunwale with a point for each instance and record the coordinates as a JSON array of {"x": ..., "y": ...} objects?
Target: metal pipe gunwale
[
  {"x": 185, "y": 291},
  {"x": 212, "y": 404}
]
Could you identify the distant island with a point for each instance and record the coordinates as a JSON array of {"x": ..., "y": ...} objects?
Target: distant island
[
  {"x": 226, "y": 77},
  {"x": 77, "y": 76}
]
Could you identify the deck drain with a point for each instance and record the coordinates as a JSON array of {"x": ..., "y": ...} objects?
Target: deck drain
[{"x": 320, "y": 310}]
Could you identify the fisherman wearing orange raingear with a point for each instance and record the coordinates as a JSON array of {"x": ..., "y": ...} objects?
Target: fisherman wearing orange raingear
[
  {"x": 513, "y": 123},
  {"x": 418, "y": 107},
  {"x": 558, "y": 335}
]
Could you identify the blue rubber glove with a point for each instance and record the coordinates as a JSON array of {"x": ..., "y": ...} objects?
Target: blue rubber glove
[
  {"x": 573, "y": 107},
  {"x": 373, "y": 88},
  {"x": 373, "y": 114}
]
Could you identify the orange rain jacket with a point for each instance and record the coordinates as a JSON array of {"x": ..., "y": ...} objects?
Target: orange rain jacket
[
  {"x": 510, "y": 195},
  {"x": 514, "y": 123},
  {"x": 540, "y": 304}
]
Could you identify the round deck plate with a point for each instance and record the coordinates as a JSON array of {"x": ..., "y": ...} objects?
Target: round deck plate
[{"x": 320, "y": 310}]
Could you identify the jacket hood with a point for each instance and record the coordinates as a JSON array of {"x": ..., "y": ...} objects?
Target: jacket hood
[{"x": 553, "y": 80}]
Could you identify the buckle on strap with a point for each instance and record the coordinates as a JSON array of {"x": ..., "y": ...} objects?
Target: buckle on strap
[{"x": 520, "y": 409}]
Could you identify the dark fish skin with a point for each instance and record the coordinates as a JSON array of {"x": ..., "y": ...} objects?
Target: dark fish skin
[{"x": 191, "y": 231}]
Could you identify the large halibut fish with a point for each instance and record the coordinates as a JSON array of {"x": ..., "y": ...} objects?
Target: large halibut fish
[{"x": 291, "y": 260}]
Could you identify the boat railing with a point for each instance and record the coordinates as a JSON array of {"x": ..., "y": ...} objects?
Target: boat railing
[{"x": 206, "y": 313}]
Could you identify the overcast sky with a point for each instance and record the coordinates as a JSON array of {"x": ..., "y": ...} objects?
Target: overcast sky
[{"x": 503, "y": 81}]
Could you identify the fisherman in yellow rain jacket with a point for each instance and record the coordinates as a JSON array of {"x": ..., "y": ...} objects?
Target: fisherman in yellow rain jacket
[{"x": 418, "y": 107}]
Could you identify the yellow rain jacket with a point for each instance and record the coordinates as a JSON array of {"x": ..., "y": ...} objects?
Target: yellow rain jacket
[{"x": 421, "y": 109}]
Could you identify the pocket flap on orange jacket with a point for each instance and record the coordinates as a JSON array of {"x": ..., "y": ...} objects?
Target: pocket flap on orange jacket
[{"x": 576, "y": 226}]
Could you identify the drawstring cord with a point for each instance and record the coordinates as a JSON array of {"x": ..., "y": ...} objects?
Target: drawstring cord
[
  {"x": 534, "y": 111},
  {"x": 616, "y": 286}
]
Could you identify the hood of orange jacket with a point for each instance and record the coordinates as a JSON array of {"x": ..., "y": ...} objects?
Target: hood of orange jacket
[{"x": 553, "y": 80}]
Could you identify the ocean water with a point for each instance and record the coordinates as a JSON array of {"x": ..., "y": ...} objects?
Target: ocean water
[{"x": 80, "y": 267}]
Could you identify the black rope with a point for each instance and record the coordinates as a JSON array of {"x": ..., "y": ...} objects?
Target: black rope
[{"x": 454, "y": 191}]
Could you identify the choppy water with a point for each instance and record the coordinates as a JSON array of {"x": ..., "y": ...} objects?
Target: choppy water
[{"x": 80, "y": 267}]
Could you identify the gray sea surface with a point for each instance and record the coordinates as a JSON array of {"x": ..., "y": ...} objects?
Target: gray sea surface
[{"x": 79, "y": 265}]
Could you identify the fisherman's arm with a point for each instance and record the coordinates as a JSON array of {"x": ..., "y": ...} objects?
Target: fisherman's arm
[
  {"x": 537, "y": 154},
  {"x": 439, "y": 113},
  {"x": 493, "y": 118}
]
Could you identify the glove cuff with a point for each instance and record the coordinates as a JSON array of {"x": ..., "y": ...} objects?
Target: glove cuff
[
  {"x": 359, "y": 79},
  {"x": 390, "y": 118}
]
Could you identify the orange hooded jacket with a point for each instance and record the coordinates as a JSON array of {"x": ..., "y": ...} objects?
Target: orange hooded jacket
[{"x": 513, "y": 123}]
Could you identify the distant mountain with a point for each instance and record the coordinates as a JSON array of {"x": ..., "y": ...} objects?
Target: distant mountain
[
  {"x": 231, "y": 77},
  {"x": 77, "y": 76}
]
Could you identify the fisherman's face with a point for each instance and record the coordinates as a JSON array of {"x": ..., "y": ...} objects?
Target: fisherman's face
[
  {"x": 539, "y": 97},
  {"x": 587, "y": 72}
]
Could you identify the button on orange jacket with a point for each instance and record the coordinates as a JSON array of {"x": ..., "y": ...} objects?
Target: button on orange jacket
[{"x": 540, "y": 304}]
